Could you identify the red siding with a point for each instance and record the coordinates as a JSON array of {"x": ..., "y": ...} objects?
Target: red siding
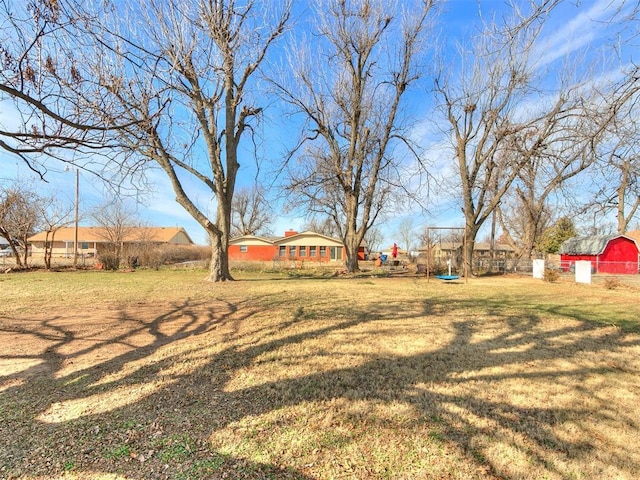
[
  {"x": 255, "y": 249},
  {"x": 253, "y": 252},
  {"x": 619, "y": 256}
]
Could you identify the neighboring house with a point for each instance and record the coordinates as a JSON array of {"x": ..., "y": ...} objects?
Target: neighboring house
[
  {"x": 4, "y": 243},
  {"x": 92, "y": 240},
  {"x": 607, "y": 253},
  {"x": 482, "y": 251},
  {"x": 293, "y": 246}
]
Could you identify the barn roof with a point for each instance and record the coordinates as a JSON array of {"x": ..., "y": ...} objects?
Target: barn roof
[{"x": 593, "y": 245}]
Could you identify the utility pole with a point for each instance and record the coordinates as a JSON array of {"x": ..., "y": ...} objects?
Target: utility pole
[{"x": 75, "y": 232}]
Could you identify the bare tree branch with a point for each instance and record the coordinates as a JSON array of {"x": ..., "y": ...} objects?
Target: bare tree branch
[{"x": 346, "y": 165}]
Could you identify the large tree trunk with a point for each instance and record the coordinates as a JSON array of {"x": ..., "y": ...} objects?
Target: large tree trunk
[
  {"x": 351, "y": 245},
  {"x": 219, "y": 267},
  {"x": 351, "y": 238},
  {"x": 219, "y": 239},
  {"x": 625, "y": 181},
  {"x": 469, "y": 242}
]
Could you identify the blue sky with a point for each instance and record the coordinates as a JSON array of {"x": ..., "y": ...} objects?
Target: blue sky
[{"x": 573, "y": 27}]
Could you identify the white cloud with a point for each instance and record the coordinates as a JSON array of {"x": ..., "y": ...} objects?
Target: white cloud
[{"x": 584, "y": 29}]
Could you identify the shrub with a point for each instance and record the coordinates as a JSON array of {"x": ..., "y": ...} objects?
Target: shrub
[
  {"x": 611, "y": 283},
  {"x": 110, "y": 261},
  {"x": 152, "y": 258},
  {"x": 155, "y": 256},
  {"x": 551, "y": 275}
]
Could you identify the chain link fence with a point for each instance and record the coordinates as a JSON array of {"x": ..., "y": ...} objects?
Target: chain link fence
[{"x": 487, "y": 266}]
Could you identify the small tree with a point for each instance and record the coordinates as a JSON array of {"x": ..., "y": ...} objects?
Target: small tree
[
  {"x": 553, "y": 237},
  {"x": 19, "y": 218},
  {"x": 55, "y": 214},
  {"x": 116, "y": 221},
  {"x": 406, "y": 234},
  {"x": 374, "y": 239}
]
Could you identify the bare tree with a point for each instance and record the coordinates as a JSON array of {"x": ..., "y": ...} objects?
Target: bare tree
[
  {"x": 251, "y": 213},
  {"x": 324, "y": 226},
  {"x": 19, "y": 218},
  {"x": 504, "y": 130},
  {"x": 406, "y": 234},
  {"x": 374, "y": 239},
  {"x": 54, "y": 214},
  {"x": 42, "y": 86},
  {"x": 628, "y": 191},
  {"x": 593, "y": 133},
  {"x": 178, "y": 76},
  {"x": 479, "y": 105},
  {"x": 617, "y": 170},
  {"x": 116, "y": 221},
  {"x": 347, "y": 163}
]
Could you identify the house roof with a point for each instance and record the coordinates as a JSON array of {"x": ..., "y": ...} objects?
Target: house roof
[
  {"x": 252, "y": 239},
  {"x": 289, "y": 238},
  {"x": 98, "y": 235},
  {"x": 593, "y": 245},
  {"x": 500, "y": 247},
  {"x": 308, "y": 233}
]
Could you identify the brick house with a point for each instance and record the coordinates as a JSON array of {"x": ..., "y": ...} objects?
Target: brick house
[{"x": 293, "y": 246}]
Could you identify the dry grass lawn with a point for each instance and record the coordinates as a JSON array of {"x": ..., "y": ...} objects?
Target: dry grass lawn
[{"x": 160, "y": 375}]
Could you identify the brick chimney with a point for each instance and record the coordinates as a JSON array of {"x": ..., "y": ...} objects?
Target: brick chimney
[{"x": 290, "y": 233}]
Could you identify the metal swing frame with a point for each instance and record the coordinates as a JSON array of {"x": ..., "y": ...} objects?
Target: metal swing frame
[{"x": 464, "y": 244}]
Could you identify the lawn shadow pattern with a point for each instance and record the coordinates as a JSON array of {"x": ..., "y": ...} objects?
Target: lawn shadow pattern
[{"x": 235, "y": 379}]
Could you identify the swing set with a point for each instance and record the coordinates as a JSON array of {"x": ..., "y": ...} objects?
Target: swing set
[{"x": 450, "y": 260}]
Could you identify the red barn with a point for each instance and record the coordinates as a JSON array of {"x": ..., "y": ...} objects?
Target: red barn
[{"x": 607, "y": 253}]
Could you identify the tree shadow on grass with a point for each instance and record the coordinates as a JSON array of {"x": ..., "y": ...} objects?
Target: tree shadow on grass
[{"x": 138, "y": 413}]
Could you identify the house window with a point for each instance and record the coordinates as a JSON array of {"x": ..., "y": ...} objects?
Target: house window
[
  {"x": 323, "y": 251},
  {"x": 303, "y": 251},
  {"x": 336, "y": 253},
  {"x": 282, "y": 251},
  {"x": 312, "y": 251},
  {"x": 84, "y": 245},
  {"x": 244, "y": 248},
  {"x": 292, "y": 250}
]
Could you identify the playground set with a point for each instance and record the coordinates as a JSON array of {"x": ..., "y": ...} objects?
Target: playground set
[{"x": 434, "y": 234}]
